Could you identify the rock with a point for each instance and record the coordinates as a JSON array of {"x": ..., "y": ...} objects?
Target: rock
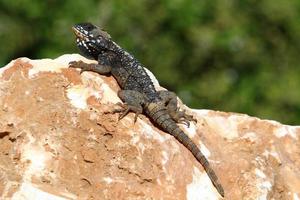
[{"x": 59, "y": 140}]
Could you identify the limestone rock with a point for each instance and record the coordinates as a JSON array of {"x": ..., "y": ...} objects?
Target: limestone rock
[{"x": 59, "y": 140}]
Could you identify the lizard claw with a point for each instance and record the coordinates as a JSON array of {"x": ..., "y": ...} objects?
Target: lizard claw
[
  {"x": 75, "y": 64},
  {"x": 183, "y": 118},
  {"x": 188, "y": 117},
  {"x": 79, "y": 64},
  {"x": 125, "y": 109},
  {"x": 119, "y": 110},
  {"x": 185, "y": 122},
  {"x": 124, "y": 112}
]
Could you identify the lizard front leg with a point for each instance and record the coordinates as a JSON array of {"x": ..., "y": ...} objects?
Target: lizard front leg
[
  {"x": 98, "y": 68},
  {"x": 133, "y": 102},
  {"x": 170, "y": 100},
  {"x": 103, "y": 66}
]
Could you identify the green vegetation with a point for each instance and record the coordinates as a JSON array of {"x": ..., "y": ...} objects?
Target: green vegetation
[{"x": 238, "y": 56}]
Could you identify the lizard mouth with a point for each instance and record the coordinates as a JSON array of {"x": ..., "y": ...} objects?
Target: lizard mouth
[{"x": 78, "y": 34}]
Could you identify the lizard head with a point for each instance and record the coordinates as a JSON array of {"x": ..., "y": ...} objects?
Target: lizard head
[{"x": 91, "y": 40}]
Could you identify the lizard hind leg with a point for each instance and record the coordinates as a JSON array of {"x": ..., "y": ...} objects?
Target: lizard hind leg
[
  {"x": 133, "y": 102},
  {"x": 170, "y": 100}
]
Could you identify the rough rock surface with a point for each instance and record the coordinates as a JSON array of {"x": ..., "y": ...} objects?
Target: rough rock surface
[{"x": 58, "y": 140}]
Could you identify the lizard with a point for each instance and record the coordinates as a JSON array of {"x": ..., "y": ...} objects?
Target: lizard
[{"x": 137, "y": 89}]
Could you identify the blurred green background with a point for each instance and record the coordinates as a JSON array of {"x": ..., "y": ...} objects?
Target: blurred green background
[{"x": 229, "y": 55}]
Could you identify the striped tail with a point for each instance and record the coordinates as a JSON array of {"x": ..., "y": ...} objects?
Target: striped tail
[{"x": 160, "y": 116}]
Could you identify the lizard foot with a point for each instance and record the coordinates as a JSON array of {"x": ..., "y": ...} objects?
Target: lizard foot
[
  {"x": 79, "y": 64},
  {"x": 93, "y": 67},
  {"x": 182, "y": 118},
  {"x": 125, "y": 109}
]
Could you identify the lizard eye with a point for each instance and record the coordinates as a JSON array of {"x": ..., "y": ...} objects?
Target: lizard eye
[{"x": 89, "y": 27}]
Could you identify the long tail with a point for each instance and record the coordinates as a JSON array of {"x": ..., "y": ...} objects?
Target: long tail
[{"x": 160, "y": 116}]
